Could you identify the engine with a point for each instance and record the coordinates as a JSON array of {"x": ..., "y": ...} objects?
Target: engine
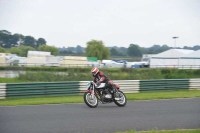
[{"x": 106, "y": 95}]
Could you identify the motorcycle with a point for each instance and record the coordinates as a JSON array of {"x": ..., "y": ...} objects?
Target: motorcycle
[{"x": 103, "y": 94}]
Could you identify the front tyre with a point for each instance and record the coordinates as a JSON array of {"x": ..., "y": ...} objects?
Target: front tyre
[
  {"x": 120, "y": 99},
  {"x": 90, "y": 101}
]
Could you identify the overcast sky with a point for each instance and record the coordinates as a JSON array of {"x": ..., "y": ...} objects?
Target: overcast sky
[{"x": 115, "y": 22}]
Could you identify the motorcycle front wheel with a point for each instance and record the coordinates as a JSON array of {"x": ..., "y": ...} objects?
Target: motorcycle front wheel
[
  {"x": 90, "y": 101},
  {"x": 120, "y": 99}
]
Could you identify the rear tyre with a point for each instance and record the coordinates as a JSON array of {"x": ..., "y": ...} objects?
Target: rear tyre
[
  {"x": 120, "y": 99},
  {"x": 90, "y": 101}
]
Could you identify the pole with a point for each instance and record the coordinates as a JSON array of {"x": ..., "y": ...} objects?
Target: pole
[{"x": 175, "y": 37}]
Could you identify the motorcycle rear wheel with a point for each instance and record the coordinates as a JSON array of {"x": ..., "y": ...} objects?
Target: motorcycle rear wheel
[
  {"x": 122, "y": 99},
  {"x": 89, "y": 101}
]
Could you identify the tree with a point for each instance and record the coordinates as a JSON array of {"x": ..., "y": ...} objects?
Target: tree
[
  {"x": 2, "y": 50},
  {"x": 79, "y": 49},
  {"x": 97, "y": 49},
  {"x": 123, "y": 50},
  {"x": 155, "y": 49},
  {"x": 22, "y": 50},
  {"x": 30, "y": 41},
  {"x": 52, "y": 49},
  {"x": 25, "y": 50},
  {"x": 164, "y": 48},
  {"x": 114, "y": 52},
  {"x": 196, "y": 47},
  {"x": 4, "y": 39},
  {"x": 144, "y": 50},
  {"x": 13, "y": 40},
  {"x": 134, "y": 50},
  {"x": 16, "y": 50},
  {"x": 41, "y": 41},
  {"x": 65, "y": 52},
  {"x": 7, "y": 40},
  {"x": 5, "y": 32},
  {"x": 20, "y": 39},
  {"x": 73, "y": 49}
]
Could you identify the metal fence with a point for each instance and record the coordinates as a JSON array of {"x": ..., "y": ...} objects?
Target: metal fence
[
  {"x": 45, "y": 65},
  {"x": 41, "y": 89},
  {"x": 2, "y": 90},
  {"x": 162, "y": 85},
  {"x": 176, "y": 66},
  {"x": 99, "y": 65}
]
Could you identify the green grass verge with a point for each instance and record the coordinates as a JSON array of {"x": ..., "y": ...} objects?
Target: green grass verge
[
  {"x": 165, "y": 131},
  {"x": 164, "y": 95},
  {"x": 79, "y": 99}
]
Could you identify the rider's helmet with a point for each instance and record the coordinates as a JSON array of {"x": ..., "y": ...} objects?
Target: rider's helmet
[{"x": 94, "y": 71}]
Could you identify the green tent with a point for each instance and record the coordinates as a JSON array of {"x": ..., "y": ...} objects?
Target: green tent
[{"x": 92, "y": 59}]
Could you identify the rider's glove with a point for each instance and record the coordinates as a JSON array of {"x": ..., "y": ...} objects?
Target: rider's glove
[{"x": 98, "y": 83}]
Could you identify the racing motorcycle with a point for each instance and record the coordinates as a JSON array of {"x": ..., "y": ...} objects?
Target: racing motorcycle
[{"x": 103, "y": 94}]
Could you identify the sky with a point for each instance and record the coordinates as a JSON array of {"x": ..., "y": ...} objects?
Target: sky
[{"x": 68, "y": 23}]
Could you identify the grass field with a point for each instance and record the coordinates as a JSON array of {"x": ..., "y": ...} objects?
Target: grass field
[
  {"x": 79, "y": 98},
  {"x": 57, "y": 74}
]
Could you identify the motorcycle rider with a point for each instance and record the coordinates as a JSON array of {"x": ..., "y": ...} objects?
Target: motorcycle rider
[{"x": 100, "y": 77}]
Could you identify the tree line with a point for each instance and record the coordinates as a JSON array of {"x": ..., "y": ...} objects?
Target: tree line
[
  {"x": 20, "y": 44},
  {"x": 133, "y": 50},
  {"x": 8, "y": 40}
]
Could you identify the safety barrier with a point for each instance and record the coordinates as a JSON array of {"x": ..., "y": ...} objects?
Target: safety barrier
[
  {"x": 163, "y": 85},
  {"x": 38, "y": 89},
  {"x": 2, "y": 90},
  {"x": 127, "y": 86},
  {"x": 42, "y": 89},
  {"x": 194, "y": 84}
]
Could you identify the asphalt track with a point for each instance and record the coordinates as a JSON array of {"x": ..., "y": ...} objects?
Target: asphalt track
[{"x": 106, "y": 118}]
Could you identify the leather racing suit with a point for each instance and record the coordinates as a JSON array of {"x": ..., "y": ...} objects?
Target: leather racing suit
[{"x": 100, "y": 77}]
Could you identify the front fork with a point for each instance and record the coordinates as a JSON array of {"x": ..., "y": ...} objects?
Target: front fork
[
  {"x": 91, "y": 91},
  {"x": 116, "y": 94}
]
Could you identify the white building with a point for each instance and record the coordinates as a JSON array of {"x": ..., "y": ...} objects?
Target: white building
[
  {"x": 53, "y": 61},
  {"x": 169, "y": 58},
  {"x": 13, "y": 59},
  {"x": 38, "y": 54},
  {"x": 190, "y": 61},
  {"x": 41, "y": 58},
  {"x": 3, "y": 59},
  {"x": 74, "y": 61}
]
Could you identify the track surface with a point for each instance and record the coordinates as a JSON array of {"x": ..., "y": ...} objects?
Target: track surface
[{"x": 109, "y": 118}]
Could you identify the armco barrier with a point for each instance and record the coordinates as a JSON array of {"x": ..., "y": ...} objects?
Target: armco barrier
[
  {"x": 194, "y": 84},
  {"x": 163, "y": 85},
  {"x": 37, "y": 89},
  {"x": 2, "y": 90},
  {"x": 42, "y": 89},
  {"x": 127, "y": 86}
]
